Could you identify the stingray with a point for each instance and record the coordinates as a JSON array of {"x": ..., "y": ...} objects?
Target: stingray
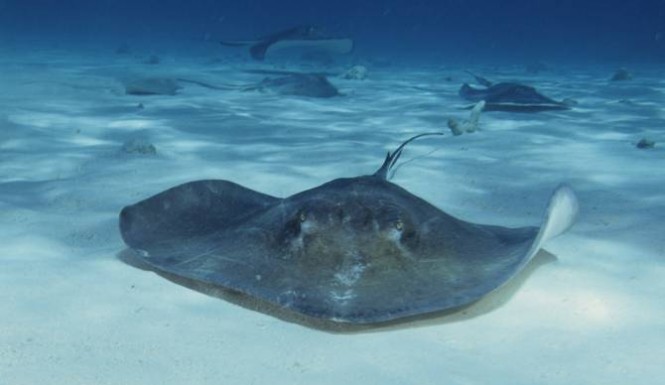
[
  {"x": 353, "y": 251},
  {"x": 313, "y": 85},
  {"x": 305, "y": 37},
  {"x": 298, "y": 84},
  {"x": 513, "y": 97},
  {"x": 151, "y": 86}
]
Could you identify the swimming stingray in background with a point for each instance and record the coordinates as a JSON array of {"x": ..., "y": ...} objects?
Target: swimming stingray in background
[
  {"x": 513, "y": 97},
  {"x": 305, "y": 37},
  {"x": 357, "y": 250},
  {"x": 287, "y": 83}
]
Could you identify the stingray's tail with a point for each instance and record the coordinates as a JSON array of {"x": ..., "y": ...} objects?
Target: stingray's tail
[
  {"x": 391, "y": 158},
  {"x": 481, "y": 80}
]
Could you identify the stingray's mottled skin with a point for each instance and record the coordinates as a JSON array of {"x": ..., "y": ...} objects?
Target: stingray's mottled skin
[{"x": 354, "y": 250}]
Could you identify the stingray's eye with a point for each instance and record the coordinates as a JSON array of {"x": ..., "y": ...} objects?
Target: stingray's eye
[
  {"x": 399, "y": 225},
  {"x": 302, "y": 217}
]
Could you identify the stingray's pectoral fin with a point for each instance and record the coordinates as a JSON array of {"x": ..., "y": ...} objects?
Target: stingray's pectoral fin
[
  {"x": 190, "y": 210},
  {"x": 560, "y": 215}
]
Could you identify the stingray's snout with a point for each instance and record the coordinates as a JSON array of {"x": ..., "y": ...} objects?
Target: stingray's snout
[
  {"x": 352, "y": 225},
  {"x": 347, "y": 231},
  {"x": 344, "y": 215}
]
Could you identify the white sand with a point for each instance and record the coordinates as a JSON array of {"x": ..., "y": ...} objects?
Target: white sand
[{"x": 72, "y": 313}]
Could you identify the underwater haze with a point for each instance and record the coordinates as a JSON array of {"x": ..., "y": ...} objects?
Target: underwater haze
[
  {"x": 546, "y": 113},
  {"x": 561, "y": 30}
]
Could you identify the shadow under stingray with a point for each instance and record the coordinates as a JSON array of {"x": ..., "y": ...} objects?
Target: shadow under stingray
[{"x": 486, "y": 304}]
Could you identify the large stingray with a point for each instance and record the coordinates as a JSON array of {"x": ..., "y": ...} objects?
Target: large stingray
[
  {"x": 358, "y": 250},
  {"x": 513, "y": 97},
  {"x": 302, "y": 37}
]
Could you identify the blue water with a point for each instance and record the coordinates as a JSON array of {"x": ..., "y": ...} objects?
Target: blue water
[{"x": 490, "y": 31}]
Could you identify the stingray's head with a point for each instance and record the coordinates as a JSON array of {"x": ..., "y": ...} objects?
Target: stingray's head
[
  {"x": 351, "y": 230},
  {"x": 364, "y": 222}
]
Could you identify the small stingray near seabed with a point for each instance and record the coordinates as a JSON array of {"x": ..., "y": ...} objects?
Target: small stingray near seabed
[
  {"x": 298, "y": 84},
  {"x": 294, "y": 84},
  {"x": 511, "y": 97},
  {"x": 357, "y": 250}
]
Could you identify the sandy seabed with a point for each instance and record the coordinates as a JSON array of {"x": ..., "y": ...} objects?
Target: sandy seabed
[{"x": 71, "y": 312}]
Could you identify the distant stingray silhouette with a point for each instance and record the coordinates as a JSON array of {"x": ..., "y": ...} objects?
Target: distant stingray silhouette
[
  {"x": 512, "y": 97},
  {"x": 287, "y": 83},
  {"x": 305, "y": 37}
]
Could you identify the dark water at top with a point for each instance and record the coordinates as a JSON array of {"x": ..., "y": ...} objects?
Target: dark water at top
[{"x": 509, "y": 30}]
